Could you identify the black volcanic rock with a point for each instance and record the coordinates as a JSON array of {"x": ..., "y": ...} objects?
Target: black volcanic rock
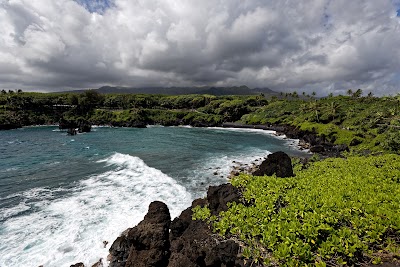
[
  {"x": 278, "y": 163},
  {"x": 147, "y": 244},
  {"x": 317, "y": 149},
  {"x": 156, "y": 242},
  {"x": 219, "y": 196}
]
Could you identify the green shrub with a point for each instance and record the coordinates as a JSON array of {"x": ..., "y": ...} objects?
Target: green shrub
[{"x": 335, "y": 212}]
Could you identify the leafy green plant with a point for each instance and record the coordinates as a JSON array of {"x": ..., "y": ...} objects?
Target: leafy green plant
[{"x": 337, "y": 211}]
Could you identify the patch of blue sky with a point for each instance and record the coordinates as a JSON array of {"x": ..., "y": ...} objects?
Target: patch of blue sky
[
  {"x": 396, "y": 3},
  {"x": 98, "y": 6}
]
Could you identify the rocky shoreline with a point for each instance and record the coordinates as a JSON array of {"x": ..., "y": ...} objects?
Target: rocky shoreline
[
  {"x": 159, "y": 242},
  {"x": 307, "y": 139}
]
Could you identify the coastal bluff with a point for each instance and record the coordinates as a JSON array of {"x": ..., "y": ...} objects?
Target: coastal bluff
[{"x": 159, "y": 242}]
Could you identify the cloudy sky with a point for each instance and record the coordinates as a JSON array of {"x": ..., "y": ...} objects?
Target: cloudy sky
[{"x": 309, "y": 45}]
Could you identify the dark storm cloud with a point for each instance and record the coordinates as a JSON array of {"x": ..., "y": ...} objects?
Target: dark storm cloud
[{"x": 312, "y": 45}]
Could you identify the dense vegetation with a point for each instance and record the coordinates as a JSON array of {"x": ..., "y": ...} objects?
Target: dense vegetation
[
  {"x": 124, "y": 109},
  {"x": 334, "y": 212},
  {"x": 364, "y": 123}
]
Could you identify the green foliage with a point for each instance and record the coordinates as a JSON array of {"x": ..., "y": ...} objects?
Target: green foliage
[
  {"x": 201, "y": 213},
  {"x": 362, "y": 122},
  {"x": 336, "y": 211},
  {"x": 392, "y": 141}
]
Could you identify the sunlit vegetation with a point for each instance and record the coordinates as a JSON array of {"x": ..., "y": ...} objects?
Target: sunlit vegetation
[
  {"x": 364, "y": 123},
  {"x": 334, "y": 212}
]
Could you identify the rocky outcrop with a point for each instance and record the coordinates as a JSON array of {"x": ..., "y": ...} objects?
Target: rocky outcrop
[
  {"x": 219, "y": 196},
  {"x": 81, "y": 124},
  {"x": 158, "y": 242},
  {"x": 278, "y": 163},
  {"x": 9, "y": 126},
  {"x": 323, "y": 145},
  {"x": 147, "y": 244}
]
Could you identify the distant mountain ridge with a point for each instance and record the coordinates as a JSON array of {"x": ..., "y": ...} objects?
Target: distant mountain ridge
[{"x": 211, "y": 90}]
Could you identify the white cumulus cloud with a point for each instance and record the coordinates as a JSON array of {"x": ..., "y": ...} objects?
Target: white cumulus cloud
[{"x": 311, "y": 45}]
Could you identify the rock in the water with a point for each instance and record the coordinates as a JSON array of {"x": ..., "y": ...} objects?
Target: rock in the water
[
  {"x": 147, "y": 244},
  {"x": 80, "y": 264},
  {"x": 278, "y": 163},
  {"x": 219, "y": 196},
  {"x": 98, "y": 264}
]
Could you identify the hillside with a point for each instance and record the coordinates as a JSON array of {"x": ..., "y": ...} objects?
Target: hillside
[{"x": 209, "y": 90}]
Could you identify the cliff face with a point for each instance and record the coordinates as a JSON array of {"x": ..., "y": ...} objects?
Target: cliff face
[{"x": 158, "y": 242}]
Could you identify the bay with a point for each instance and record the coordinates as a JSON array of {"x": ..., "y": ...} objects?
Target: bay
[{"x": 62, "y": 196}]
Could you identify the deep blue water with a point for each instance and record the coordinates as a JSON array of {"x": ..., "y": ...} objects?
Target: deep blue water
[{"x": 62, "y": 196}]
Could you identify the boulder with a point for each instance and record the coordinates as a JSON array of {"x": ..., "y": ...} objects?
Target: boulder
[
  {"x": 219, "y": 196},
  {"x": 147, "y": 244},
  {"x": 341, "y": 148},
  {"x": 278, "y": 163},
  {"x": 317, "y": 149},
  {"x": 98, "y": 264},
  {"x": 80, "y": 264},
  {"x": 355, "y": 142}
]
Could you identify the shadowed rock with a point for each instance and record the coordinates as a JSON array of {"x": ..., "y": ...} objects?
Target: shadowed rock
[
  {"x": 278, "y": 163},
  {"x": 147, "y": 244},
  {"x": 219, "y": 196}
]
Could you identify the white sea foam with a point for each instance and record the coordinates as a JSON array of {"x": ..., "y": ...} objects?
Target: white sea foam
[
  {"x": 62, "y": 231},
  {"x": 9, "y": 169},
  {"x": 216, "y": 169},
  {"x": 246, "y": 130},
  {"x": 294, "y": 143}
]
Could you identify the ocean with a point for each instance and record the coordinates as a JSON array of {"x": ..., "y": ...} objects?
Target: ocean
[{"x": 62, "y": 196}]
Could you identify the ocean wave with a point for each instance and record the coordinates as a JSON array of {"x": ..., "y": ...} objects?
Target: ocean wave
[
  {"x": 72, "y": 228},
  {"x": 217, "y": 168},
  {"x": 246, "y": 130}
]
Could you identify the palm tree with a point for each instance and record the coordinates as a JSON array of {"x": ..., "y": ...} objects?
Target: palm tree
[
  {"x": 350, "y": 92},
  {"x": 357, "y": 93},
  {"x": 333, "y": 108},
  {"x": 314, "y": 106}
]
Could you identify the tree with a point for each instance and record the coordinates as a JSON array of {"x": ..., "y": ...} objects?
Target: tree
[
  {"x": 357, "y": 93},
  {"x": 370, "y": 95},
  {"x": 314, "y": 107},
  {"x": 19, "y": 91},
  {"x": 349, "y": 92},
  {"x": 3, "y": 92},
  {"x": 332, "y": 109}
]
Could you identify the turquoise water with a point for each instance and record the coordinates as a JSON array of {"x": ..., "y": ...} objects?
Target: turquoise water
[{"x": 62, "y": 196}]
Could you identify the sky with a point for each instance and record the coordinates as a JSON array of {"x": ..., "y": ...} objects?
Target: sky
[{"x": 326, "y": 46}]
